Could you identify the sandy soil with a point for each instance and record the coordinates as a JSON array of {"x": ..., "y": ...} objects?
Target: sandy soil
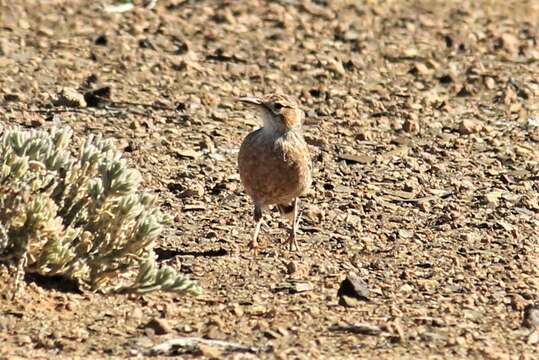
[{"x": 422, "y": 119}]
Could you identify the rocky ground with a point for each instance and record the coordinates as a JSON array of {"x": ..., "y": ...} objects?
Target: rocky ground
[{"x": 423, "y": 122}]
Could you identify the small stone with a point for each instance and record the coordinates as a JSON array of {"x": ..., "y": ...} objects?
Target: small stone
[
  {"x": 270, "y": 334},
  {"x": 186, "y": 153},
  {"x": 420, "y": 68},
  {"x": 12, "y": 97},
  {"x": 364, "y": 135},
  {"x": 509, "y": 42},
  {"x": 354, "y": 221},
  {"x": 291, "y": 267},
  {"x": 491, "y": 198},
  {"x": 159, "y": 326},
  {"x": 361, "y": 328},
  {"x": 465, "y": 185},
  {"x": 411, "y": 126},
  {"x": 195, "y": 207},
  {"x": 406, "y": 288},
  {"x": 143, "y": 342},
  {"x": 530, "y": 318},
  {"x": 101, "y": 40},
  {"x": 533, "y": 122},
  {"x": 335, "y": 66},
  {"x": 23, "y": 340},
  {"x": 300, "y": 286},
  {"x": 295, "y": 286},
  {"x": 505, "y": 225},
  {"x": 473, "y": 315},
  {"x": 43, "y": 30},
  {"x": 210, "y": 351},
  {"x": 37, "y": 122},
  {"x": 97, "y": 96},
  {"x": 136, "y": 314},
  {"x": 489, "y": 83},
  {"x": 238, "y": 310},
  {"x": 314, "y": 214},
  {"x": 187, "y": 328},
  {"x": 424, "y": 206},
  {"x": 466, "y": 90},
  {"x": 533, "y": 338},
  {"x": 446, "y": 79},
  {"x": 213, "y": 332},
  {"x": 195, "y": 190},
  {"x": 405, "y": 234},
  {"x": 71, "y": 98},
  {"x": 353, "y": 286},
  {"x": 257, "y": 310},
  {"x": 467, "y": 127}
]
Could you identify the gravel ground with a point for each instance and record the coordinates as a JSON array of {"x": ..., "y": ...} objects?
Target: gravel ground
[{"x": 424, "y": 128}]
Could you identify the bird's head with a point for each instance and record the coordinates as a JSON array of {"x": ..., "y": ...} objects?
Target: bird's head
[{"x": 280, "y": 113}]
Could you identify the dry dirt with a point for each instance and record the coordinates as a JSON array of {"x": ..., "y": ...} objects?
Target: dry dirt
[{"x": 423, "y": 122}]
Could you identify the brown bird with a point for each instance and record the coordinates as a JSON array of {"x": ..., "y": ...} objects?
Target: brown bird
[{"x": 274, "y": 162}]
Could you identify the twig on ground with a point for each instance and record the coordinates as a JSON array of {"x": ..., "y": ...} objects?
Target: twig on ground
[{"x": 170, "y": 347}]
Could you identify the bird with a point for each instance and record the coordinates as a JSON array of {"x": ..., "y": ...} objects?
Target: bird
[{"x": 274, "y": 162}]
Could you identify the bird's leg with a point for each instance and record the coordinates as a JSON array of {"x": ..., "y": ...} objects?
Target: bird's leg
[
  {"x": 292, "y": 241},
  {"x": 258, "y": 222}
]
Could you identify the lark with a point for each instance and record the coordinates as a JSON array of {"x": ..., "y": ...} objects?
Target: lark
[{"x": 274, "y": 162}]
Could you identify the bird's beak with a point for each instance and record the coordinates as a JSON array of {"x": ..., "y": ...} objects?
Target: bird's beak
[{"x": 251, "y": 101}]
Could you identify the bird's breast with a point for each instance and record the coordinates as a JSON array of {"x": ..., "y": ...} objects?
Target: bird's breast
[{"x": 274, "y": 169}]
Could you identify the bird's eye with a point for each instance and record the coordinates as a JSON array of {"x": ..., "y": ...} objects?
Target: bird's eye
[{"x": 278, "y": 106}]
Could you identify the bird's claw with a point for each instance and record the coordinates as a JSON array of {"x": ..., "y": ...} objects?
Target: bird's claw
[
  {"x": 254, "y": 248},
  {"x": 292, "y": 242}
]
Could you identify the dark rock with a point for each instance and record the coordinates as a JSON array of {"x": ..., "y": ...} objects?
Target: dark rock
[
  {"x": 97, "y": 96},
  {"x": 530, "y": 318},
  {"x": 101, "y": 40},
  {"x": 354, "y": 287},
  {"x": 159, "y": 326}
]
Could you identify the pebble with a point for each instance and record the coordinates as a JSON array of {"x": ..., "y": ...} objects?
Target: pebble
[
  {"x": 210, "y": 351},
  {"x": 291, "y": 267},
  {"x": 467, "y": 127},
  {"x": 159, "y": 326},
  {"x": 492, "y": 198},
  {"x": 71, "y": 98},
  {"x": 411, "y": 126},
  {"x": 531, "y": 316},
  {"x": 314, "y": 214},
  {"x": 353, "y": 286}
]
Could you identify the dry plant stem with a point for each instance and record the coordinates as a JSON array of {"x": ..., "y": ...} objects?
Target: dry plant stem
[
  {"x": 19, "y": 274},
  {"x": 3, "y": 238}
]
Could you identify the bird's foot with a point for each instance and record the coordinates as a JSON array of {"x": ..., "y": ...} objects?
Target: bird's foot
[
  {"x": 292, "y": 242},
  {"x": 253, "y": 245}
]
